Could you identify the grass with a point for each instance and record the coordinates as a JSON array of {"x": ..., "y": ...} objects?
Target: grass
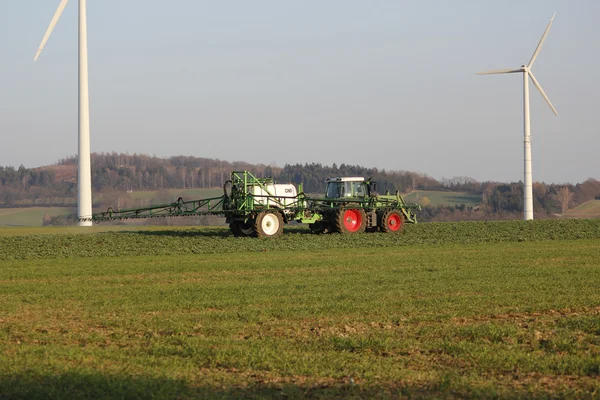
[
  {"x": 119, "y": 241},
  {"x": 586, "y": 210},
  {"x": 479, "y": 320},
  {"x": 26, "y": 232},
  {"x": 30, "y": 216},
  {"x": 444, "y": 198},
  {"x": 33, "y": 216}
]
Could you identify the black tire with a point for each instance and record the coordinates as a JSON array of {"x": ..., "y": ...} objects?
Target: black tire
[
  {"x": 350, "y": 221},
  {"x": 235, "y": 229},
  {"x": 319, "y": 228},
  {"x": 268, "y": 224},
  {"x": 392, "y": 221},
  {"x": 241, "y": 229}
]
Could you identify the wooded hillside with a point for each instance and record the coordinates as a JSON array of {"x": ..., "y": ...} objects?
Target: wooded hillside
[{"x": 55, "y": 185}]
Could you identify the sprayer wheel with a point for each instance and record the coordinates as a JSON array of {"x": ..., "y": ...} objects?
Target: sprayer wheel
[
  {"x": 268, "y": 224},
  {"x": 241, "y": 229}
]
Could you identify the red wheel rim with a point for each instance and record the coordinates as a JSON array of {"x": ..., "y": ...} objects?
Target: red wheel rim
[
  {"x": 394, "y": 222},
  {"x": 352, "y": 220}
]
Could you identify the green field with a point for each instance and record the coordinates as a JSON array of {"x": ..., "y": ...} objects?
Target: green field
[
  {"x": 455, "y": 310},
  {"x": 438, "y": 198},
  {"x": 30, "y": 216},
  {"x": 589, "y": 209},
  {"x": 33, "y": 216}
]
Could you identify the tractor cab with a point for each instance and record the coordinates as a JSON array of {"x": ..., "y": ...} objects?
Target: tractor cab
[{"x": 338, "y": 188}]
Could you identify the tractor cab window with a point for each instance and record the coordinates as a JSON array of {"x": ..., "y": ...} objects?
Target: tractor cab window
[
  {"x": 333, "y": 190},
  {"x": 345, "y": 189},
  {"x": 336, "y": 190},
  {"x": 359, "y": 189}
]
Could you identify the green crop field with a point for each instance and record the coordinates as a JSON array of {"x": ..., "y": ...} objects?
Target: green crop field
[
  {"x": 444, "y": 310},
  {"x": 30, "y": 216},
  {"x": 444, "y": 198}
]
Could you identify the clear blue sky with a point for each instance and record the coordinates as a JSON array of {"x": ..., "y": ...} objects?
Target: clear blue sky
[{"x": 387, "y": 84}]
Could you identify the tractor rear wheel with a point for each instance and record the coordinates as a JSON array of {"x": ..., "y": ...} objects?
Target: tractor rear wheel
[
  {"x": 392, "y": 221},
  {"x": 350, "y": 220},
  {"x": 268, "y": 224}
]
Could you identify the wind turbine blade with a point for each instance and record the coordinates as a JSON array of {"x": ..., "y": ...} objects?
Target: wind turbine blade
[
  {"x": 539, "y": 87},
  {"x": 57, "y": 14},
  {"x": 500, "y": 71},
  {"x": 541, "y": 43}
]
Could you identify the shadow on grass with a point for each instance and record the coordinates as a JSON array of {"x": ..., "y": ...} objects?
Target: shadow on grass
[
  {"x": 209, "y": 232},
  {"x": 184, "y": 232},
  {"x": 97, "y": 386}
]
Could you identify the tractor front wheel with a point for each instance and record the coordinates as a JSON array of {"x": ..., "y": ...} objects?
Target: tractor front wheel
[
  {"x": 392, "y": 221},
  {"x": 268, "y": 224},
  {"x": 350, "y": 220}
]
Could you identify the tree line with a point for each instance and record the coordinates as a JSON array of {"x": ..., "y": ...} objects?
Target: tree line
[
  {"x": 505, "y": 201},
  {"x": 55, "y": 185}
]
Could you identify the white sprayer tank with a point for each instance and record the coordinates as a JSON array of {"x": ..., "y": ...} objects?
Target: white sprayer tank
[{"x": 275, "y": 195}]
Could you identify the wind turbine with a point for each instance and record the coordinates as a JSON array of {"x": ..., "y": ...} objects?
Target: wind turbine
[
  {"x": 84, "y": 181},
  {"x": 527, "y": 73}
]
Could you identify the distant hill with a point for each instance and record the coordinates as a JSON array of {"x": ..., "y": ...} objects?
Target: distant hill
[
  {"x": 136, "y": 180},
  {"x": 444, "y": 198},
  {"x": 61, "y": 173},
  {"x": 589, "y": 209}
]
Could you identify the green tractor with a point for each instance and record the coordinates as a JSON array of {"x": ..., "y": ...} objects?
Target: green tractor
[
  {"x": 257, "y": 207},
  {"x": 351, "y": 205}
]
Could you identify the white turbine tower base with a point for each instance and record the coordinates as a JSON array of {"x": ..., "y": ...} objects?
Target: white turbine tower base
[
  {"x": 527, "y": 74},
  {"x": 84, "y": 175}
]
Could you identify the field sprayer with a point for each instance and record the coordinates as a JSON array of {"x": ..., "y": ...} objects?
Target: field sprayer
[{"x": 258, "y": 207}]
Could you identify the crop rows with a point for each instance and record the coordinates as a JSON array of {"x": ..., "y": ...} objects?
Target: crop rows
[
  {"x": 211, "y": 240},
  {"x": 114, "y": 315}
]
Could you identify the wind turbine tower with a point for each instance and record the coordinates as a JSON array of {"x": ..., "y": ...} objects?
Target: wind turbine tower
[
  {"x": 84, "y": 175},
  {"x": 527, "y": 74}
]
